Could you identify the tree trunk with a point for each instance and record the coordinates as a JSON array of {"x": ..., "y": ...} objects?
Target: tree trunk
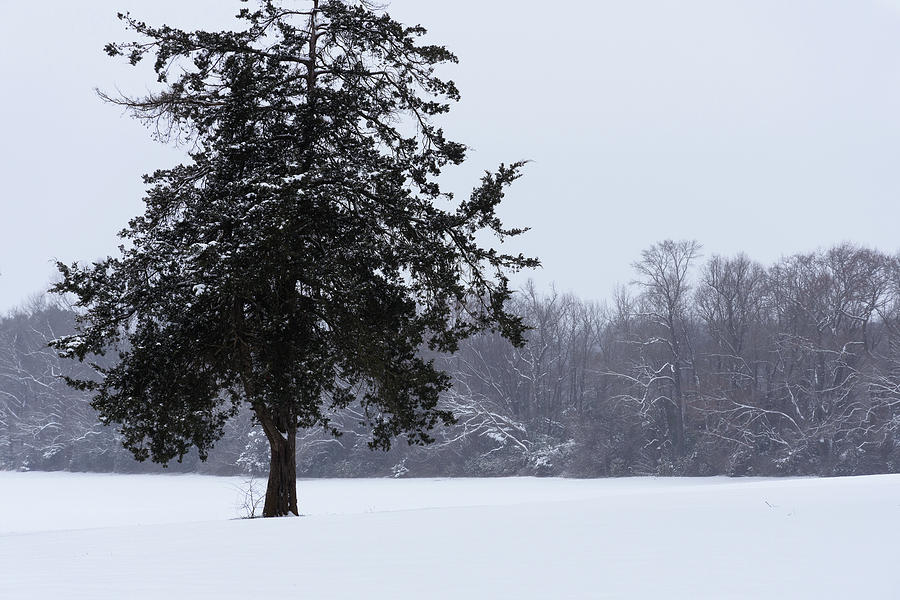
[
  {"x": 281, "y": 491},
  {"x": 675, "y": 409},
  {"x": 675, "y": 422}
]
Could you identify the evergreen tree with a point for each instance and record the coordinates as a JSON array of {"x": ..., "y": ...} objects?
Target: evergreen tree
[{"x": 305, "y": 257}]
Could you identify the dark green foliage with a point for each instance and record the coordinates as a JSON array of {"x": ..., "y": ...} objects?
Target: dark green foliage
[{"x": 306, "y": 255}]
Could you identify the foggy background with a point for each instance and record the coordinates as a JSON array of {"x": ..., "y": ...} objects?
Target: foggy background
[{"x": 757, "y": 126}]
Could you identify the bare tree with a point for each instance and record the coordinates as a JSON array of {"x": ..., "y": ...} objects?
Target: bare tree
[{"x": 662, "y": 374}]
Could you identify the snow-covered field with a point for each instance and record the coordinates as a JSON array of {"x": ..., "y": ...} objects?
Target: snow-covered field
[{"x": 127, "y": 537}]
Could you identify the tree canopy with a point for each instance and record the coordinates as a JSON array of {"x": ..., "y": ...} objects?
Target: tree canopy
[{"x": 305, "y": 257}]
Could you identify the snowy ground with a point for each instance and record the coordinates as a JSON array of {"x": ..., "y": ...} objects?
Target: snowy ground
[{"x": 127, "y": 537}]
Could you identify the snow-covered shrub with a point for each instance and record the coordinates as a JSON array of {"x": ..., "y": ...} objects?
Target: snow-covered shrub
[
  {"x": 550, "y": 457},
  {"x": 254, "y": 459}
]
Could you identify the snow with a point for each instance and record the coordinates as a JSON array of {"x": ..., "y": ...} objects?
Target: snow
[{"x": 141, "y": 536}]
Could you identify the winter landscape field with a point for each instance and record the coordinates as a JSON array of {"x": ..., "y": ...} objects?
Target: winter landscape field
[
  {"x": 103, "y": 537},
  {"x": 494, "y": 310}
]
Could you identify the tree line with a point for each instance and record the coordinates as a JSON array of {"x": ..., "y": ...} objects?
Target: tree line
[{"x": 700, "y": 366}]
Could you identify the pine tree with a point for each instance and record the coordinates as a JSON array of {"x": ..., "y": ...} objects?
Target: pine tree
[{"x": 305, "y": 258}]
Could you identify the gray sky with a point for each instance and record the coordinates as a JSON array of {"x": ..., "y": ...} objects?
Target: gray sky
[{"x": 764, "y": 126}]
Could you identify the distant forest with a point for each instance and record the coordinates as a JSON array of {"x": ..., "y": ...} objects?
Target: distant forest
[{"x": 698, "y": 367}]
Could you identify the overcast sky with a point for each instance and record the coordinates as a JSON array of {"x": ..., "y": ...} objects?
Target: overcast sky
[{"x": 764, "y": 126}]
